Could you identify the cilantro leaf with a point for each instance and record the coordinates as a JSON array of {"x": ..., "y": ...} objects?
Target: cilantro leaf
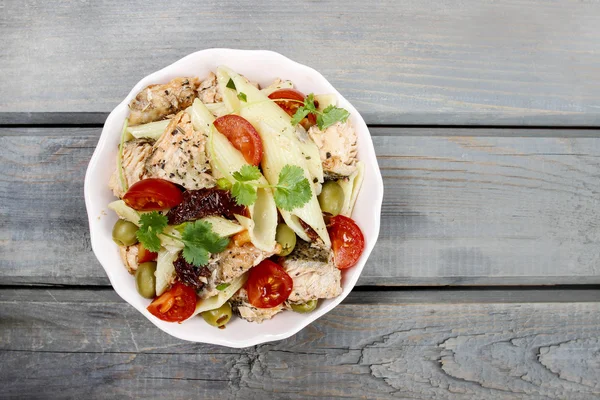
[
  {"x": 247, "y": 173},
  {"x": 331, "y": 115},
  {"x": 222, "y": 286},
  {"x": 244, "y": 193},
  {"x": 242, "y": 96},
  {"x": 197, "y": 256},
  {"x": 293, "y": 189},
  {"x": 151, "y": 225},
  {"x": 230, "y": 84},
  {"x": 199, "y": 240},
  {"x": 305, "y": 109}
]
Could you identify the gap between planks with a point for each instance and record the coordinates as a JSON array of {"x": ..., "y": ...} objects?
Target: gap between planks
[{"x": 46, "y": 124}]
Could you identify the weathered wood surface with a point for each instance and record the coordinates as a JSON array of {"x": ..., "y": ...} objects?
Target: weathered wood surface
[
  {"x": 72, "y": 343},
  {"x": 457, "y": 210},
  {"x": 530, "y": 62}
]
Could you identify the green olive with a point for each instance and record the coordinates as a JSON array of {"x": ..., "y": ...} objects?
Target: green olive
[
  {"x": 305, "y": 307},
  {"x": 123, "y": 233},
  {"x": 219, "y": 316},
  {"x": 286, "y": 238},
  {"x": 331, "y": 198},
  {"x": 145, "y": 280}
]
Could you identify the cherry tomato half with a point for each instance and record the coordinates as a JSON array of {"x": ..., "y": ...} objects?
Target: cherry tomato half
[
  {"x": 175, "y": 305},
  {"x": 145, "y": 255},
  {"x": 290, "y": 107},
  {"x": 153, "y": 194},
  {"x": 347, "y": 241},
  {"x": 242, "y": 136},
  {"x": 268, "y": 285}
]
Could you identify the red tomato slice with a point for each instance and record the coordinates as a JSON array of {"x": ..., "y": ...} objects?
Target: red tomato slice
[
  {"x": 268, "y": 285},
  {"x": 145, "y": 255},
  {"x": 347, "y": 241},
  {"x": 242, "y": 136},
  {"x": 153, "y": 194},
  {"x": 290, "y": 107},
  {"x": 175, "y": 305}
]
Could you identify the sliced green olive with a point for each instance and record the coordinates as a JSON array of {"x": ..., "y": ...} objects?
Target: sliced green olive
[
  {"x": 307, "y": 307},
  {"x": 219, "y": 316},
  {"x": 286, "y": 237},
  {"x": 331, "y": 198},
  {"x": 123, "y": 233},
  {"x": 145, "y": 280}
]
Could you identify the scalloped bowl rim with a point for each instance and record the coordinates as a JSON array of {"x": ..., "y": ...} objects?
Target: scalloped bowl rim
[{"x": 239, "y": 333}]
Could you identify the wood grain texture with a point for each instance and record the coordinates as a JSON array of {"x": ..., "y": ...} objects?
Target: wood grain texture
[
  {"x": 57, "y": 344},
  {"x": 522, "y": 62},
  {"x": 457, "y": 210}
]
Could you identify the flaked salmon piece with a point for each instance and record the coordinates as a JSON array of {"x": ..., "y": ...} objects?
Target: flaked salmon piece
[
  {"x": 314, "y": 274},
  {"x": 208, "y": 92},
  {"x": 179, "y": 155},
  {"x": 155, "y": 102},
  {"x": 337, "y": 148},
  {"x": 135, "y": 153},
  {"x": 247, "y": 311},
  {"x": 231, "y": 263},
  {"x": 236, "y": 260},
  {"x": 129, "y": 255}
]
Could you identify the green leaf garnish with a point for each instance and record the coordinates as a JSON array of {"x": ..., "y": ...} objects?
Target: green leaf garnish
[
  {"x": 222, "y": 286},
  {"x": 197, "y": 237},
  {"x": 305, "y": 109},
  {"x": 331, "y": 115},
  {"x": 293, "y": 189},
  {"x": 242, "y": 96},
  {"x": 230, "y": 84},
  {"x": 245, "y": 193},
  {"x": 151, "y": 225},
  {"x": 247, "y": 173},
  {"x": 199, "y": 240}
]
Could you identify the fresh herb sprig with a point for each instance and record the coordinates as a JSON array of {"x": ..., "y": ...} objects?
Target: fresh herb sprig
[
  {"x": 329, "y": 116},
  {"x": 198, "y": 238},
  {"x": 291, "y": 191}
]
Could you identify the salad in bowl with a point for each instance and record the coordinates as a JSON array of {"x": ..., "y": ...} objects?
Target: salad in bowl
[{"x": 235, "y": 199}]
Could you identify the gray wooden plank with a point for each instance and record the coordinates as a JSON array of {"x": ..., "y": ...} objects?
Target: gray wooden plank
[
  {"x": 59, "y": 348},
  {"x": 457, "y": 210},
  {"x": 361, "y": 296},
  {"x": 529, "y": 62}
]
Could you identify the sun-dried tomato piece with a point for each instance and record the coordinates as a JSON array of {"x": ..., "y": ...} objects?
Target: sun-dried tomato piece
[
  {"x": 189, "y": 274},
  {"x": 202, "y": 203}
]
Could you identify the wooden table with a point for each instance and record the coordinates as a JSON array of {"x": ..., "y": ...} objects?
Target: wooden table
[{"x": 484, "y": 283}]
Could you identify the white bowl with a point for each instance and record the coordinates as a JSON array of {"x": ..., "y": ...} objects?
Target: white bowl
[{"x": 260, "y": 66}]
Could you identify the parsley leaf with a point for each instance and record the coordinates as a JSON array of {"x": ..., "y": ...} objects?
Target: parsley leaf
[
  {"x": 331, "y": 115},
  {"x": 151, "y": 225},
  {"x": 305, "y": 109},
  {"x": 293, "y": 189},
  {"x": 245, "y": 194},
  {"x": 230, "y": 84},
  {"x": 199, "y": 240},
  {"x": 247, "y": 173},
  {"x": 222, "y": 286},
  {"x": 242, "y": 96}
]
